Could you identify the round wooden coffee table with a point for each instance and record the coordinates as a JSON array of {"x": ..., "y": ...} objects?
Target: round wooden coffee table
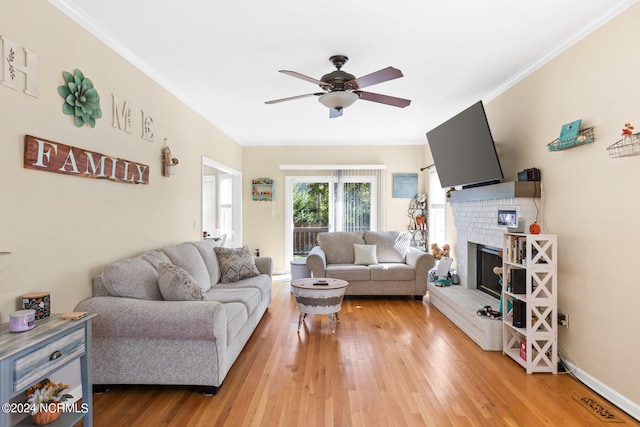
[{"x": 319, "y": 296}]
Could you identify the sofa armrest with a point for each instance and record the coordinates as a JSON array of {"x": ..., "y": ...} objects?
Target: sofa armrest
[
  {"x": 136, "y": 318},
  {"x": 317, "y": 262},
  {"x": 264, "y": 265},
  {"x": 422, "y": 262}
]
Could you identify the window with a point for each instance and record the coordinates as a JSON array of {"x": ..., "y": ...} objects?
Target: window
[
  {"x": 209, "y": 221},
  {"x": 225, "y": 204},
  {"x": 436, "y": 201}
]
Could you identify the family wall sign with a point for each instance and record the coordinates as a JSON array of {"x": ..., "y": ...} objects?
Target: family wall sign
[{"x": 50, "y": 156}]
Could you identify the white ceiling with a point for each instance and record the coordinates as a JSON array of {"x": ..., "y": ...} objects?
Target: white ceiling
[{"x": 222, "y": 57}]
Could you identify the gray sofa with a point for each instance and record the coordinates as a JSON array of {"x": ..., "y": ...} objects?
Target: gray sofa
[
  {"x": 397, "y": 268},
  {"x": 141, "y": 338}
]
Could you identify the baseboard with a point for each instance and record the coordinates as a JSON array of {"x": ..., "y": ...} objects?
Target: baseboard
[{"x": 623, "y": 403}]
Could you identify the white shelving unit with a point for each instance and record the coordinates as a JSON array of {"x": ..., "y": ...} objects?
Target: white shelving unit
[{"x": 532, "y": 340}]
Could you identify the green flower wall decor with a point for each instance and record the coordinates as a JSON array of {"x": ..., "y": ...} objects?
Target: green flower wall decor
[{"x": 81, "y": 99}]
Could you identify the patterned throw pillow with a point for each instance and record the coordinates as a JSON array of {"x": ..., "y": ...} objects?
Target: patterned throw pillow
[
  {"x": 177, "y": 285},
  {"x": 236, "y": 264}
]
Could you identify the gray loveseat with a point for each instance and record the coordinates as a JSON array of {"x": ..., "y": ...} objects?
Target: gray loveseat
[
  {"x": 141, "y": 338},
  {"x": 397, "y": 268}
]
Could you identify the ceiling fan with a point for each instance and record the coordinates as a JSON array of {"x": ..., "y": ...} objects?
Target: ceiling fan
[{"x": 341, "y": 89}]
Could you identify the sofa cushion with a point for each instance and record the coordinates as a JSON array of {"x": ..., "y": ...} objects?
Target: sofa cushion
[
  {"x": 186, "y": 255},
  {"x": 177, "y": 285},
  {"x": 338, "y": 245},
  {"x": 133, "y": 278},
  {"x": 365, "y": 254},
  {"x": 348, "y": 272},
  {"x": 262, "y": 283},
  {"x": 236, "y": 264},
  {"x": 392, "y": 271},
  {"x": 250, "y": 297},
  {"x": 205, "y": 247},
  {"x": 391, "y": 245}
]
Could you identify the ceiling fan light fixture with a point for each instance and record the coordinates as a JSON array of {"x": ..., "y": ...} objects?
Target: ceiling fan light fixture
[{"x": 338, "y": 100}]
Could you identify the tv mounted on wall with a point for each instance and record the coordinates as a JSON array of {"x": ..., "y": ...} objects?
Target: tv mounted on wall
[{"x": 463, "y": 150}]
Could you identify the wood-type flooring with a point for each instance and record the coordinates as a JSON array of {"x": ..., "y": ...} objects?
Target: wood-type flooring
[{"x": 391, "y": 362}]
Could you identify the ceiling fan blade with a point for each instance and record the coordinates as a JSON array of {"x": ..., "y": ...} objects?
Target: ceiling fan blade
[
  {"x": 376, "y": 77},
  {"x": 291, "y": 98},
  {"x": 305, "y": 78},
  {"x": 384, "y": 99},
  {"x": 333, "y": 113}
]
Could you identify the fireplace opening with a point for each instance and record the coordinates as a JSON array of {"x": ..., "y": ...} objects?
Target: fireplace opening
[{"x": 487, "y": 281}]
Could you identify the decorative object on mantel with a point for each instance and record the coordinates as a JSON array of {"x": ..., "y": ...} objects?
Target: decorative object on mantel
[
  {"x": 629, "y": 145},
  {"x": 81, "y": 99},
  {"x": 571, "y": 136},
  {"x": 168, "y": 162},
  {"x": 46, "y": 394},
  {"x": 50, "y": 156}
]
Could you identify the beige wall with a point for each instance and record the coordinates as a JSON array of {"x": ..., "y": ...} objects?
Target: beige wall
[
  {"x": 589, "y": 200},
  {"x": 63, "y": 229},
  {"x": 264, "y": 222}
]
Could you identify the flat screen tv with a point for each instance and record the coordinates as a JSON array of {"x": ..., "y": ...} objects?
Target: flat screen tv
[{"x": 463, "y": 150}]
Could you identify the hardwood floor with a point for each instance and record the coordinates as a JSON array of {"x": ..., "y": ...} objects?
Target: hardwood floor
[{"x": 391, "y": 362}]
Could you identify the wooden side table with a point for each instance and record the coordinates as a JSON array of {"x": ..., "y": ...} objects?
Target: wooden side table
[
  {"x": 319, "y": 299},
  {"x": 29, "y": 357}
]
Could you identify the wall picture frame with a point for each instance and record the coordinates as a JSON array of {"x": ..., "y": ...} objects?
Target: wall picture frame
[{"x": 405, "y": 185}]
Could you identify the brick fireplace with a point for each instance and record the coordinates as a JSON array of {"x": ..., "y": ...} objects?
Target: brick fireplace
[
  {"x": 476, "y": 224},
  {"x": 475, "y": 214}
]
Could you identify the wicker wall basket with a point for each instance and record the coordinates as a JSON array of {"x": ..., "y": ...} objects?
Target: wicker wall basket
[
  {"x": 584, "y": 137},
  {"x": 625, "y": 147}
]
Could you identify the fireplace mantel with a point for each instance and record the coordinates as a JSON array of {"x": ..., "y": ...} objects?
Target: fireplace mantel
[{"x": 504, "y": 190}]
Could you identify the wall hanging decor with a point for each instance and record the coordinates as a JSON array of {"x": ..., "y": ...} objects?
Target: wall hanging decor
[
  {"x": 405, "y": 185},
  {"x": 50, "y": 156},
  {"x": 11, "y": 67},
  {"x": 81, "y": 99},
  {"x": 168, "y": 162},
  {"x": 629, "y": 145},
  {"x": 571, "y": 136},
  {"x": 262, "y": 189}
]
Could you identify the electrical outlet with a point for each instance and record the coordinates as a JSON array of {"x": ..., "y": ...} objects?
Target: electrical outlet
[{"x": 563, "y": 319}]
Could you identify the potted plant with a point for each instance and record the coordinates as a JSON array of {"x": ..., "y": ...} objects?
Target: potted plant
[{"x": 44, "y": 398}]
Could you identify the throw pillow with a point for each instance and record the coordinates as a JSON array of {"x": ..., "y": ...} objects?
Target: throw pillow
[
  {"x": 236, "y": 264},
  {"x": 365, "y": 254},
  {"x": 177, "y": 285}
]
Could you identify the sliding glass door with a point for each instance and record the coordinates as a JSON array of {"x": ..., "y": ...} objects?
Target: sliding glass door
[
  {"x": 309, "y": 203},
  {"x": 315, "y": 204}
]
